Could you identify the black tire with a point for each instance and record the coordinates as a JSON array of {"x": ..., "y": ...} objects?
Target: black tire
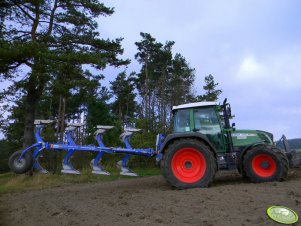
[
  {"x": 265, "y": 163},
  {"x": 190, "y": 153},
  {"x": 21, "y": 166}
]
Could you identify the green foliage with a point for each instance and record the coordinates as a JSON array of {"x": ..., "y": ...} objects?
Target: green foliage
[
  {"x": 163, "y": 81},
  {"x": 181, "y": 81},
  {"x": 124, "y": 106},
  {"x": 211, "y": 93},
  {"x": 99, "y": 114},
  {"x": 53, "y": 39}
]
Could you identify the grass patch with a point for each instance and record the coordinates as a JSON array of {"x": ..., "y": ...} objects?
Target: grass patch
[{"x": 10, "y": 182}]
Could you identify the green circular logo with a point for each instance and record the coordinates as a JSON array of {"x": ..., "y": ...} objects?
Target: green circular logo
[{"x": 282, "y": 214}]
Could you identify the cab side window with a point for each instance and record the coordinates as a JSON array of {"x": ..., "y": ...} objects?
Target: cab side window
[
  {"x": 182, "y": 121},
  {"x": 205, "y": 121}
]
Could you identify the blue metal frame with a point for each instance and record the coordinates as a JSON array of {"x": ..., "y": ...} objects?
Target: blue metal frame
[
  {"x": 39, "y": 145},
  {"x": 159, "y": 143},
  {"x": 128, "y": 146},
  {"x": 71, "y": 147},
  {"x": 100, "y": 154},
  {"x": 145, "y": 152},
  {"x": 70, "y": 141},
  {"x": 38, "y": 149}
]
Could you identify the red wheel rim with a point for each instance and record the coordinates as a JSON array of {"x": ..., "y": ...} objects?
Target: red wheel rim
[
  {"x": 264, "y": 165},
  {"x": 188, "y": 165}
]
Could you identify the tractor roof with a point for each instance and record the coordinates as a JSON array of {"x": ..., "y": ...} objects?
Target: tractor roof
[{"x": 196, "y": 104}]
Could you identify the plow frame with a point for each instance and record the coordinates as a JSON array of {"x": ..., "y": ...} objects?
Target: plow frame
[{"x": 70, "y": 146}]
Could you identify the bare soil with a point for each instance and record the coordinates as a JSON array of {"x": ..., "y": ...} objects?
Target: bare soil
[{"x": 231, "y": 200}]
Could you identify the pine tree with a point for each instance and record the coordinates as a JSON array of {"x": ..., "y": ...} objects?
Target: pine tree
[
  {"x": 124, "y": 106},
  {"x": 44, "y": 35},
  {"x": 162, "y": 82},
  {"x": 211, "y": 93},
  {"x": 148, "y": 49}
]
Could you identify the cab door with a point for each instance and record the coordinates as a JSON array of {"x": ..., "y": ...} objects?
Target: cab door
[{"x": 206, "y": 122}]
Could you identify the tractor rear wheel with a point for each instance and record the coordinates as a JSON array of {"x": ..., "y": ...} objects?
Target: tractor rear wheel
[
  {"x": 265, "y": 163},
  {"x": 22, "y": 165},
  {"x": 188, "y": 163}
]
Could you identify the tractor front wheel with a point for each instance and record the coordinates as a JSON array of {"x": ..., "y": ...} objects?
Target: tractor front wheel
[
  {"x": 265, "y": 163},
  {"x": 20, "y": 165},
  {"x": 188, "y": 163}
]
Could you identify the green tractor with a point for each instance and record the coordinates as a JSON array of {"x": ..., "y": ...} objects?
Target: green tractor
[{"x": 204, "y": 142}]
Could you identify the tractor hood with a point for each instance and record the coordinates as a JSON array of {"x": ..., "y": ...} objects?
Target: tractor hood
[{"x": 242, "y": 138}]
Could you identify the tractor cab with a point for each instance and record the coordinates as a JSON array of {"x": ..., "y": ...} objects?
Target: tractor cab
[
  {"x": 196, "y": 117},
  {"x": 213, "y": 121},
  {"x": 207, "y": 118}
]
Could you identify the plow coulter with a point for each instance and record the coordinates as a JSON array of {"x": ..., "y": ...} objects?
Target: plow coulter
[
  {"x": 22, "y": 161},
  {"x": 203, "y": 142}
]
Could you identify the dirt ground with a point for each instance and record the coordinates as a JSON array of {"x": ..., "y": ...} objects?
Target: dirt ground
[{"x": 230, "y": 200}]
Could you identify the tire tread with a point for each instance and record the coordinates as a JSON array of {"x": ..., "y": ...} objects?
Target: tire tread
[
  {"x": 168, "y": 175},
  {"x": 284, "y": 164}
]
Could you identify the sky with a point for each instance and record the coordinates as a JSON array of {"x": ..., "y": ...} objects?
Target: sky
[{"x": 251, "y": 47}]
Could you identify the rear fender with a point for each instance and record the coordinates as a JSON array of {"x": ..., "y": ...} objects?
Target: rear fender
[{"x": 199, "y": 136}]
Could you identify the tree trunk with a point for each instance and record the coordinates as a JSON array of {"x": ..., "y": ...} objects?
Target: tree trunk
[
  {"x": 61, "y": 119},
  {"x": 31, "y": 103},
  {"x": 153, "y": 119},
  {"x": 30, "y": 109},
  {"x": 62, "y": 123},
  {"x": 58, "y": 130},
  {"x": 32, "y": 92}
]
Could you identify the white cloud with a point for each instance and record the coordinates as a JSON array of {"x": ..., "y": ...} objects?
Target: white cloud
[
  {"x": 251, "y": 69},
  {"x": 274, "y": 71}
]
